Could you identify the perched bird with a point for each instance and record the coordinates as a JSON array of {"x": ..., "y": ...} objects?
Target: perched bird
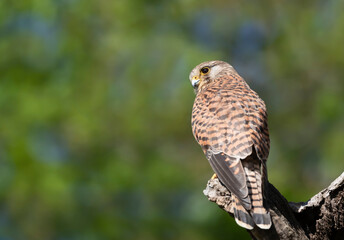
[{"x": 229, "y": 121}]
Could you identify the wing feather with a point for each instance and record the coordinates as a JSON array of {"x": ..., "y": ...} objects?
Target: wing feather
[{"x": 231, "y": 173}]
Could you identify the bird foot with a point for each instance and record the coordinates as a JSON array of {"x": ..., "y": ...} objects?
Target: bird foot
[{"x": 214, "y": 176}]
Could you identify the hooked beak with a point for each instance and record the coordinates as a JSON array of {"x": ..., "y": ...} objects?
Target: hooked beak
[{"x": 195, "y": 81}]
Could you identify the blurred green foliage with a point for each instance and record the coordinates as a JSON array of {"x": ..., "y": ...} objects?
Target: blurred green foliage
[{"x": 95, "y": 136}]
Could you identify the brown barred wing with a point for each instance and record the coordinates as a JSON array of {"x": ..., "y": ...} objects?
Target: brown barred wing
[
  {"x": 256, "y": 118},
  {"x": 231, "y": 174},
  {"x": 220, "y": 121}
]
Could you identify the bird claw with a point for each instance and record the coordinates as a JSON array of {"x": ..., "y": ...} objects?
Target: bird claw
[{"x": 214, "y": 176}]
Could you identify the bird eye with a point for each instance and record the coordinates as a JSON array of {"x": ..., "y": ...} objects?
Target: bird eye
[{"x": 205, "y": 70}]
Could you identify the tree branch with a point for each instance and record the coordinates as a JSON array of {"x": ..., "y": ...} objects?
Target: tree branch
[{"x": 322, "y": 217}]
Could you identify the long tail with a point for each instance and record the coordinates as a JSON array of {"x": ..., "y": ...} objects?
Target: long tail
[
  {"x": 241, "y": 216},
  {"x": 259, "y": 214}
]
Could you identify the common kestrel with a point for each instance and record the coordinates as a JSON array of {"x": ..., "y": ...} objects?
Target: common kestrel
[{"x": 229, "y": 121}]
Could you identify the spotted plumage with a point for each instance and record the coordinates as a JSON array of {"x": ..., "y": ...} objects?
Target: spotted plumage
[{"x": 229, "y": 121}]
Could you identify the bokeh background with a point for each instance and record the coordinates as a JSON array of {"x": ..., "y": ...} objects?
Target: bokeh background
[{"x": 95, "y": 103}]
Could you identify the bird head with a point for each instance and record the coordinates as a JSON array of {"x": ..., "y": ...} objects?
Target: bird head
[{"x": 206, "y": 73}]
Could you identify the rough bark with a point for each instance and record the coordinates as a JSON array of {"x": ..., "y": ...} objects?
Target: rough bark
[{"x": 322, "y": 217}]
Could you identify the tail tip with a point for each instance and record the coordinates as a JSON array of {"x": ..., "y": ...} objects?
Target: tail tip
[
  {"x": 243, "y": 219},
  {"x": 243, "y": 224},
  {"x": 264, "y": 226},
  {"x": 263, "y": 221}
]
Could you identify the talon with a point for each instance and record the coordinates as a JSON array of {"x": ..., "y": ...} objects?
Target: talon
[{"x": 214, "y": 176}]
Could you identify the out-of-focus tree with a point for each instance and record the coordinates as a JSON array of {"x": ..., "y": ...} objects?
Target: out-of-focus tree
[{"x": 95, "y": 138}]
